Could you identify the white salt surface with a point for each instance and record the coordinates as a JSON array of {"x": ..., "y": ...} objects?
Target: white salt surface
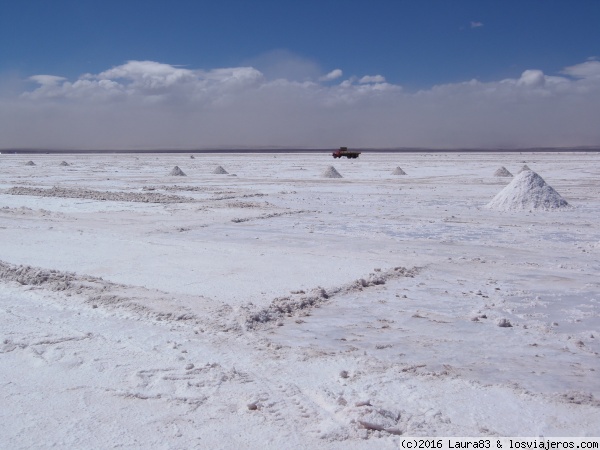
[{"x": 278, "y": 309}]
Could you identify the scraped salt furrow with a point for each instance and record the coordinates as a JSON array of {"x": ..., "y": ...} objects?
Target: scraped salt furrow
[
  {"x": 89, "y": 194},
  {"x": 265, "y": 216},
  {"x": 175, "y": 188},
  {"x": 136, "y": 301},
  {"x": 300, "y": 302}
]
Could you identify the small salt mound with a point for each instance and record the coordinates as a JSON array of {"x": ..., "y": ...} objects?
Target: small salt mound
[
  {"x": 64, "y": 163},
  {"x": 398, "y": 171},
  {"x": 524, "y": 168},
  {"x": 30, "y": 163},
  {"x": 220, "y": 170},
  {"x": 527, "y": 191},
  {"x": 502, "y": 172},
  {"x": 177, "y": 172},
  {"x": 330, "y": 172},
  {"x": 192, "y": 157}
]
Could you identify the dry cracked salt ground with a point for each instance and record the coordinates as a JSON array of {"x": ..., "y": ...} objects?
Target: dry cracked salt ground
[{"x": 278, "y": 309}]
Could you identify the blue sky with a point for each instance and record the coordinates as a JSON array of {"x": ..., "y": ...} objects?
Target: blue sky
[{"x": 380, "y": 71}]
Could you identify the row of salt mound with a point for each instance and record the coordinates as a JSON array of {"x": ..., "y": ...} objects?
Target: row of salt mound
[
  {"x": 503, "y": 171},
  {"x": 527, "y": 191},
  {"x": 31, "y": 163},
  {"x": 331, "y": 172},
  {"x": 177, "y": 172}
]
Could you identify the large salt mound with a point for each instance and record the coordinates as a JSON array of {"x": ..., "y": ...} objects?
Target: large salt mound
[
  {"x": 330, "y": 172},
  {"x": 502, "y": 172},
  {"x": 527, "y": 191},
  {"x": 177, "y": 172},
  {"x": 398, "y": 171},
  {"x": 220, "y": 170}
]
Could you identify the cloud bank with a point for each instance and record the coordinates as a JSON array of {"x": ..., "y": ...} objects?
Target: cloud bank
[{"x": 147, "y": 104}]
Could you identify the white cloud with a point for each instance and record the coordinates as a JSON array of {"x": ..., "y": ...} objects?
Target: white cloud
[
  {"x": 476, "y": 24},
  {"x": 588, "y": 69},
  {"x": 334, "y": 74},
  {"x": 156, "y": 105},
  {"x": 283, "y": 64},
  {"x": 47, "y": 80},
  {"x": 372, "y": 79},
  {"x": 532, "y": 78}
]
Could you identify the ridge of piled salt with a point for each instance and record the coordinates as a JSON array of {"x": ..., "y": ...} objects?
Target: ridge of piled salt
[
  {"x": 220, "y": 170},
  {"x": 527, "y": 191},
  {"x": 331, "y": 172},
  {"x": 502, "y": 172},
  {"x": 398, "y": 171},
  {"x": 177, "y": 172}
]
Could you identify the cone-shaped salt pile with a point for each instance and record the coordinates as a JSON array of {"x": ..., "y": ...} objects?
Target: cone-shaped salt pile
[
  {"x": 330, "y": 172},
  {"x": 524, "y": 168},
  {"x": 527, "y": 191},
  {"x": 398, "y": 171},
  {"x": 220, "y": 170},
  {"x": 64, "y": 163},
  {"x": 177, "y": 172},
  {"x": 502, "y": 172},
  {"x": 30, "y": 163}
]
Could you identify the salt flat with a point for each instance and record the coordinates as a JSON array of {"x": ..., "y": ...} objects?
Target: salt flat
[{"x": 273, "y": 307}]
